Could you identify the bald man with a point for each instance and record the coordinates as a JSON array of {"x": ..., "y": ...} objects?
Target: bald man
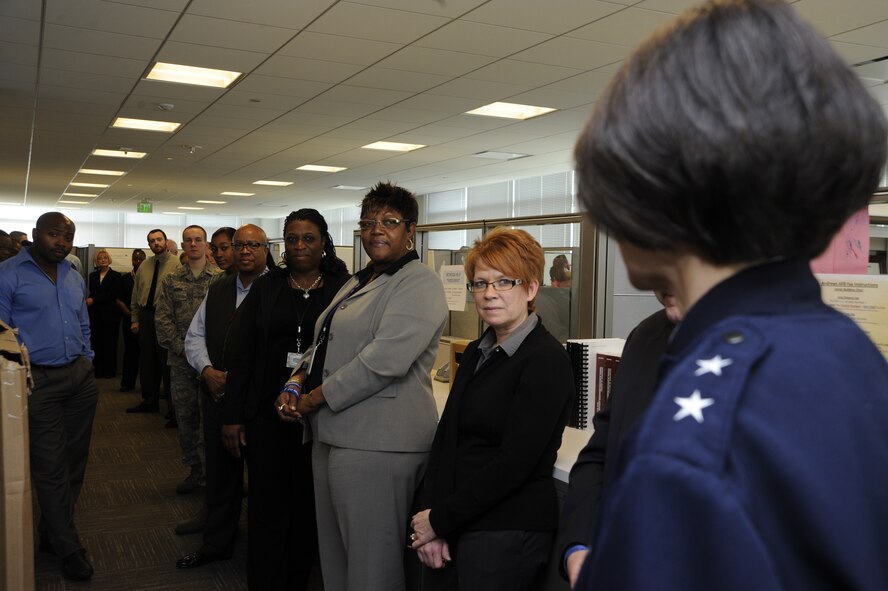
[
  {"x": 42, "y": 296},
  {"x": 209, "y": 345}
]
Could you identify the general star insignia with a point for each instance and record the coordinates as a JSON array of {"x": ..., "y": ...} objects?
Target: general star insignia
[
  {"x": 692, "y": 406},
  {"x": 713, "y": 365}
]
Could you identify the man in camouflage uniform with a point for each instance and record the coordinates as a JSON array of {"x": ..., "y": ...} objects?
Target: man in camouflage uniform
[{"x": 180, "y": 297}]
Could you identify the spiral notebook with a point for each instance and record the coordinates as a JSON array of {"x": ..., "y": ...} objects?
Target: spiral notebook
[{"x": 595, "y": 363}]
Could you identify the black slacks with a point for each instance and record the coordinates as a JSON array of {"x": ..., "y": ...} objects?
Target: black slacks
[
  {"x": 282, "y": 537},
  {"x": 225, "y": 484},
  {"x": 130, "y": 357},
  {"x": 152, "y": 360},
  {"x": 104, "y": 341},
  {"x": 61, "y": 409}
]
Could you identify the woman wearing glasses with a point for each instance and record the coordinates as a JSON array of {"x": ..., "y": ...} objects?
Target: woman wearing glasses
[
  {"x": 488, "y": 498},
  {"x": 368, "y": 397},
  {"x": 275, "y": 328}
]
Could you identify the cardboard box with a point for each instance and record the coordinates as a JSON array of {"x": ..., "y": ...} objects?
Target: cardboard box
[{"x": 16, "y": 511}]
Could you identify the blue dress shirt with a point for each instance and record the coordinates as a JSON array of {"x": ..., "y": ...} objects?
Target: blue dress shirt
[{"x": 52, "y": 318}]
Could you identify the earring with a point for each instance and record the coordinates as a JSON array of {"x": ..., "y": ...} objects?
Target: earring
[{"x": 410, "y": 244}]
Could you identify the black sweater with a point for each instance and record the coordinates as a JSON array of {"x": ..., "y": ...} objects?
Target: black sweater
[{"x": 498, "y": 438}]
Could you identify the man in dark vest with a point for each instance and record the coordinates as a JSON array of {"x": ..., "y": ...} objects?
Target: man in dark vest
[{"x": 208, "y": 347}]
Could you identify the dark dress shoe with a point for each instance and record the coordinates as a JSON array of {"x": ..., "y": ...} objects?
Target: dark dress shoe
[
  {"x": 76, "y": 567},
  {"x": 199, "y": 558},
  {"x": 144, "y": 407}
]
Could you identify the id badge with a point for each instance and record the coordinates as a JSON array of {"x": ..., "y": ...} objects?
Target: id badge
[{"x": 294, "y": 359}]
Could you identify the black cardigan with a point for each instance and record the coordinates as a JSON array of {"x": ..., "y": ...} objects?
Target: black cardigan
[{"x": 498, "y": 438}]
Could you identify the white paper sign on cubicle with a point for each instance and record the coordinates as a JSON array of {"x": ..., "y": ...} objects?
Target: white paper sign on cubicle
[
  {"x": 454, "y": 279},
  {"x": 863, "y": 298}
]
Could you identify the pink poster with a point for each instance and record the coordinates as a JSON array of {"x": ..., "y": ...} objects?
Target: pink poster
[{"x": 849, "y": 250}]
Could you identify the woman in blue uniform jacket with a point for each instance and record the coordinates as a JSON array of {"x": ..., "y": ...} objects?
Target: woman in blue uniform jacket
[
  {"x": 489, "y": 499},
  {"x": 724, "y": 155}
]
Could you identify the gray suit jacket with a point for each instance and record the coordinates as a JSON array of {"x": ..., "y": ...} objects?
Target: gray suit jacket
[{"x": 381, "y": 347}]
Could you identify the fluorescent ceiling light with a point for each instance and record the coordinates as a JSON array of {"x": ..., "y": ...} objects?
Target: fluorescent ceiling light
[
  {"x": 274, "y": 183},
  {"x": 119, "y": 153},
  {"x": 79, "y": 195},
  {"x": 103, "y": 172},
  {"x": 10, "y": 203},
  {"x": 98, "y": 185},
  {"x": 173, "y": 212},
  {"x": 211, "y": 202},
  {"x": 349, "y": 188},
  {"x": 236, "y": 194},
  {"x": 316, "y": 168},
  {"x": 510, "y": 111},
  {"x": 393, "y": 146},
  {"x": 145, "y": 124},
  {"x": 74, "y": 202},
  {"x": 500, "y": 155},
  {"x": 192, "y": 208},
  {"x": 192, "y": 75}
]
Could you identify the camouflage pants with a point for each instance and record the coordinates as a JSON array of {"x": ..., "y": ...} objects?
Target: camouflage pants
[{"x": 186, "y": 402}]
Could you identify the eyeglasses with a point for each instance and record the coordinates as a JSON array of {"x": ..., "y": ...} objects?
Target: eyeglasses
[
  {"x": 498, "y": 285},
  {"x": 387, "y": 223},
  {"x": 237, "y": 245}
]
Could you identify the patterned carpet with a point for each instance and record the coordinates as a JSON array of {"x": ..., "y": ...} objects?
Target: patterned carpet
[{"x": 129, "y": 507}]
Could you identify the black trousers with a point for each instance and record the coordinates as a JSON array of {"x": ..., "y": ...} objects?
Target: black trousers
[
  {"x": 509, "y": 560},
  {"x": 152, "y": 360},
  {"x": 61, "y": 409},
  {"x": 282, "y": 537},
  {"x": 130, "y": 356},
  {"x": 104, "y": 331},
  {"x": 225, "y": 485}
]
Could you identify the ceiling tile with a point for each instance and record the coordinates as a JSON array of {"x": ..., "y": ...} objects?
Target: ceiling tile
[
  {"x": 112, "y": 17},
  {"x": 370, "y": 22},
  {"x": 94, "y": 64},
  {"x": 277, "y": 13},
  {"x": 18, "y": 53},
  {"x": 531, "y": 74},
  {"x": 368, "y": 96},
  {"x": 527, "y": 15},
  {"x": 306, "y": 69},
  {"x": 875, "y": 35},
  {"x": 70, "y": 79},
  {"x": 99, "y": 42},
  {"x": 337, "y": 48},
  {"x": 19, "y": 30},
  {"x": 217, "y": 32},
  {"x": 449, "y": 8},
  {"x": 671, "y": 6},
  {"x": 481, "y": 39},
  {"x": 435, "y": 61},
  {"x": 830, "y": 17},
  {"x": 570, "y": 52},
  {"x": 400, "y": 113},
  {"x": 16, "y": 74},
  {"x": 323, "y": 106},
  {"x": 26, "y": 9},
  {"x": 204, "y": 56},
  {"x": 854, "y": 53},
  {"x": 171, "y": 92},
  {"x": 278, "y": 102},
  {"x": 627, "y": 27},
  {"x": 287, "y": 87},
  {"x": 482, "y": 90},
  {"x": 375, "y": 77}
]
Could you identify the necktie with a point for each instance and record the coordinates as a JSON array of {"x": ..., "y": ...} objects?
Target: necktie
[{"x": 150, "y": 303}]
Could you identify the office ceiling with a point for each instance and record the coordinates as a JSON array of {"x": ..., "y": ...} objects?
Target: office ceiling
[{"x": 322, "y": 78}]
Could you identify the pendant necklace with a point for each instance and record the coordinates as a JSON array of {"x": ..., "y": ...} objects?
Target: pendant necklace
[{"x": 304, "y": 291}]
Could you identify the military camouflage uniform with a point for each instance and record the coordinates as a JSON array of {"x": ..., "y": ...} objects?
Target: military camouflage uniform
[{"x": 180, "y": 296}]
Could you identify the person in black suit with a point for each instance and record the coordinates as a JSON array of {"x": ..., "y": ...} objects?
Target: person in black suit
[
  {"x": 275, "y": 327},
  {"x": 104, "y": 317},
  {"x": 130, "y": 340},
  {"x": 633, "y": 388}
]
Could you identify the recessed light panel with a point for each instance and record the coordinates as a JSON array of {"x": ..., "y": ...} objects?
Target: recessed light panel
[
  {"x": 349, "y": 188},
  {"x": 316, "y": 168},
  {"x": 236, "y": 194},
  {"x": 119, "y": 153},
  {"x": 274, "y": 183},
  {"x": 192, "y": 75},
  {"x": 102, "y": 172},
  {"x": 510, "y": 111},
  {"x": 145, "y": 124},
  {"x": 79, "y": 195},
  {"x": 97, "y": 185},
  {"x": 393, "y": 146},
  {"x": 211, "y": 202},
  {"x": 192, "y": 208},
  {"x": 74, "y": 202}
]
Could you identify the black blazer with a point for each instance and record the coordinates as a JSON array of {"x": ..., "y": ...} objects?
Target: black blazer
[
  {"x": 104, "y": 308},
  {"x": 244, "y": 395},
  {"x": 491, "y": 462},
  {"x": 633, "y": 389}
]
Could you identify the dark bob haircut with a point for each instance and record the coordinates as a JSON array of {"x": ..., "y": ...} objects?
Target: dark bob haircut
[
  {"x": 735, "y": 133},
  {"x": 393, "y": 197}
]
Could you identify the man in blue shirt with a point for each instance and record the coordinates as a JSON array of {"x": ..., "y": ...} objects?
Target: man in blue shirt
[{"x": 44, "y": 298}]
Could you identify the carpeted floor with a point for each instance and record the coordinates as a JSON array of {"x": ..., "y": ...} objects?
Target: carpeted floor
[{"x": 128, "y": 508}]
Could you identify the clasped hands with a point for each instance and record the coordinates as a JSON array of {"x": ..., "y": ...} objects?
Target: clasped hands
[
  {"x": 432, "y": 551},
  {"x": 291, "y": 408}
]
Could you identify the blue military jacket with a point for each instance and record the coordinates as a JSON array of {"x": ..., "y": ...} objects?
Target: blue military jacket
[{"x": 762, "y": 462}]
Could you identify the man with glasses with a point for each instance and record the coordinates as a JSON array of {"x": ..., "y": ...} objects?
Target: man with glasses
[{"x": 180, "y": 296}]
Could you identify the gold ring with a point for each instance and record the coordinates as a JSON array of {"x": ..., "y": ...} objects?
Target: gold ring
[
  {"x": 412, "y": 537},
  {"x": 281, "y": 408}
]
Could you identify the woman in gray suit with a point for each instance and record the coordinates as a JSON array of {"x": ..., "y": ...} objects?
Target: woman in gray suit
[{"x": 367, "y": 395}]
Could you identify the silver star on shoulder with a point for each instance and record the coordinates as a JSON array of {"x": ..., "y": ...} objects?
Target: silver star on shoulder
[
  {"x": 692, "y": 406},
  {"x": 713, "y": 365}
]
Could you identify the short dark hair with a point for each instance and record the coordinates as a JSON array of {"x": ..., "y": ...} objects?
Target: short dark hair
[
  {"x": 150, "y": 232},
  {"x": 15, "y": 234},
  {"x": 385, "y": 194},
  {"x": 192, "y": 226},
  {"x": 227, "y": 230},
  {"x": 331, "y": 263},
  {"x": 736, "y": 133}
]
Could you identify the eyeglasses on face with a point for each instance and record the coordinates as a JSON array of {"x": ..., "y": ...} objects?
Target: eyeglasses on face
[
  {"x": 387, "y": 223},
  {"x": 498, "y": 285},
  {"x": 250, "y": 244}
]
